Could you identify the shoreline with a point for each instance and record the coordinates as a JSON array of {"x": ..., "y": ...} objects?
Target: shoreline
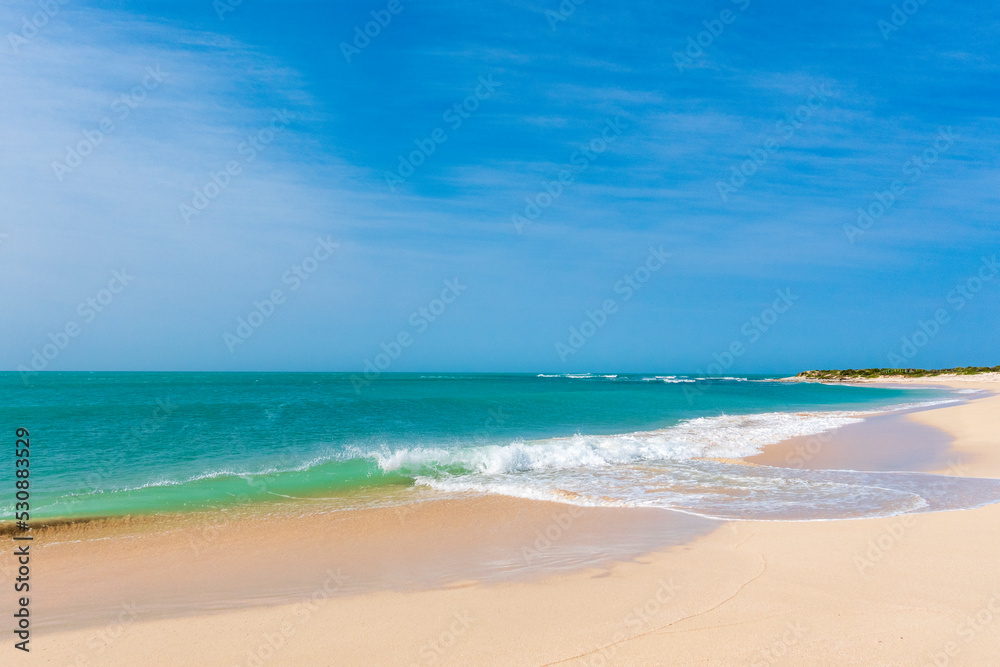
[
  {"x": 368, "y": 497},
  {"x": 853, "y": 591},
  {"x": 890, "y": 441},
  {"x": 432, "y": 545}
]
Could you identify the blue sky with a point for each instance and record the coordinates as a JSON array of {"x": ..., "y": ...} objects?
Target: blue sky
[{"x": 745, "y": 158}]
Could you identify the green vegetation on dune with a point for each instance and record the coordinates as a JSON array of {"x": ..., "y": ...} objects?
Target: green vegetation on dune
[{"x": 894, "y": 372}]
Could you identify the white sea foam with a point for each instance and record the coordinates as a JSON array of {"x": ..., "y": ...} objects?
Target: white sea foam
[
  {"x": 727, "y": 436},
  {"x": 673, "y": 468},
  {"x": 670, "y": 379},
  {"x": 726, "y": 491}
]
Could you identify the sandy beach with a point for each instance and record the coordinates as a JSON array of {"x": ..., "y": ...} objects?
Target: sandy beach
[{"x": 656, "y": 588}]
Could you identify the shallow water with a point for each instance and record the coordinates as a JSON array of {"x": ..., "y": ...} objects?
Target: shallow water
[{"x": 106, "y": 444}]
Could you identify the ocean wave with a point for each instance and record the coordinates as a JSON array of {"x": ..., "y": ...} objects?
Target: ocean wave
[
  {"x": 679, "y": 467},
  {"x": 287, "y": 466},
  {"x": 670, "y": 379},
  {"x": 726, "y": 436},
  {"x": 688, "y": 468}
]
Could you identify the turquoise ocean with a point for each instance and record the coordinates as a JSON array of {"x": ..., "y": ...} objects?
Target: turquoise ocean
[{"x": 115, "y": 444}]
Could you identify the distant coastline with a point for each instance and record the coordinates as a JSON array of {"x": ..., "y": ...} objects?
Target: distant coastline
[{"x": 878, "y": 374}]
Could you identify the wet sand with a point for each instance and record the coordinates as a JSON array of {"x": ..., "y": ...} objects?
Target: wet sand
[
  {"x": 880, "y": 443},
  {"x": 87, "y": 572}
]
